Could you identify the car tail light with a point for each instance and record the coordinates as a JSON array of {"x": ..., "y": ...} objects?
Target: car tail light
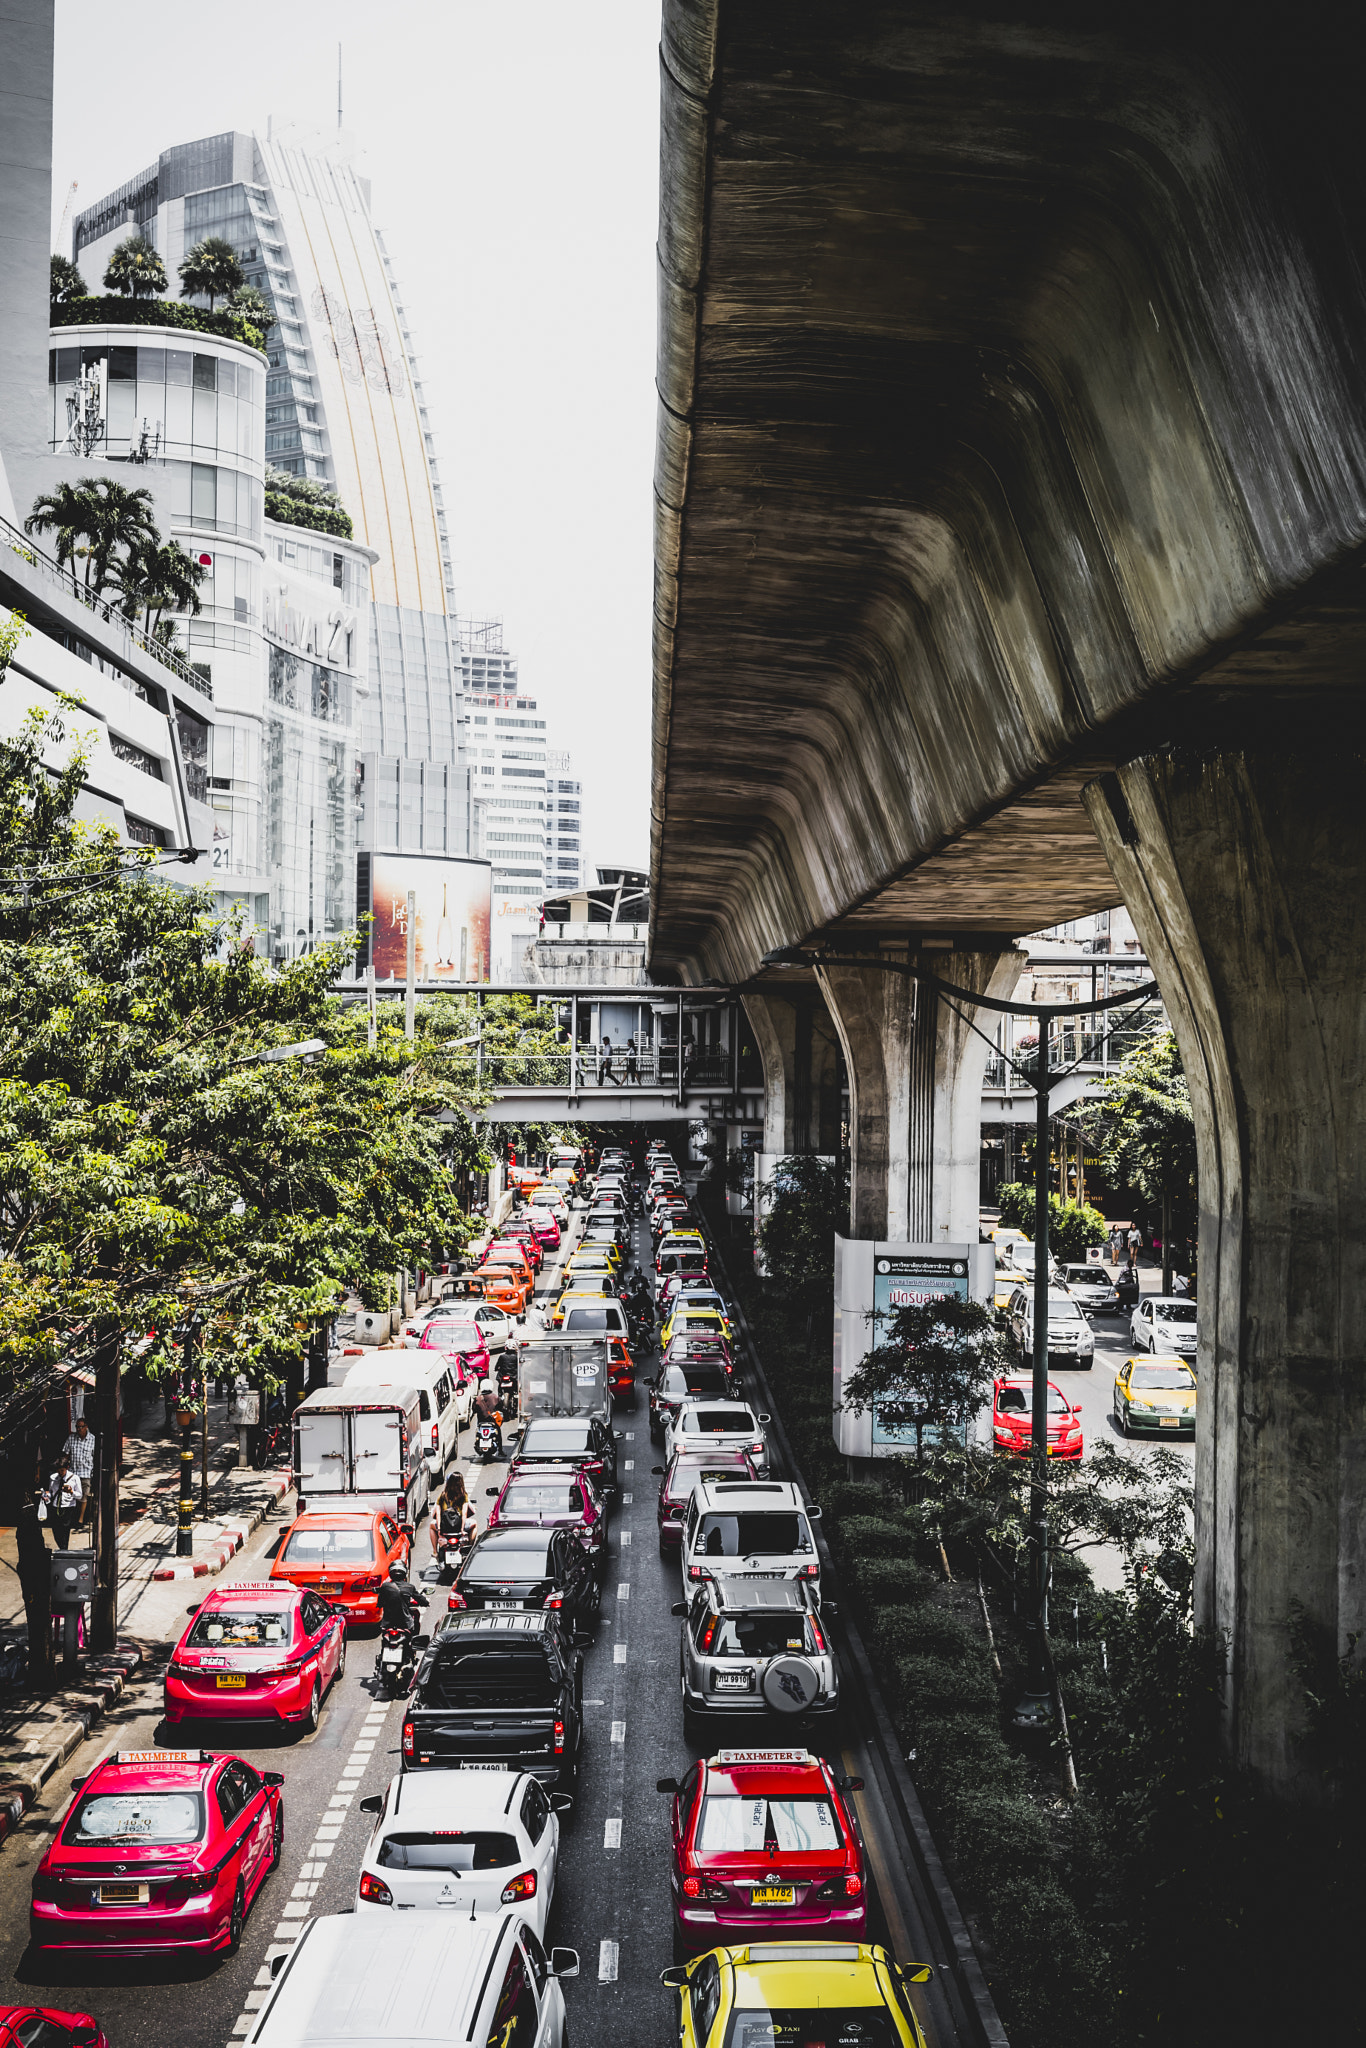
[
  {"x": 849, "y": 1886},
  {"x": 709, "y": 1635},
  {"x": 819, "y": 1633},
  {"x": 757, "y": 1448},
  {"x": 692, "y": 1887},
  {"x": 809, "y": 1571},
  {"x": 436, "y": 1438},
  {"x": 45, "y": 1888},
  {"x": 695, "y": 1571},
  {"x": 456, "y": 1603},
  {"x": 555, "y": 1600},
  {"x": 559, "y": 1738},
  {"x": 523, "y": 1887},
  {"x": 853, "y": 1885},
  {"x": 369, "y": 1584},
  {"x": 409, "y": 1739},
  {"x": 375, "y": 1890}
]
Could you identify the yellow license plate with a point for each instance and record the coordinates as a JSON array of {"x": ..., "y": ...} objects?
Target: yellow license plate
[
  {"x": 123, "y": 1895},
  {"x": 772, "y": 1895},
  {"x": 226, "y": 1684},
  {"x": 1170, "y": 1421}
]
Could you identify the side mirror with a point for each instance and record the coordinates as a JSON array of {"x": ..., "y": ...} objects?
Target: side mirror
[
  {"x": 765, "y": 1420},
  {"x": 76, "y": 1783},
  {"x": 272, "y": 1777},
  {"x": 850, "y": 1784},
  {"x": 277, "y": 1964},
  {"x": 422, "y": 1642},
  {"x": 616, "y": 1436},
  {"x": 194, "y": 1607},
  {"x": 493, "y": 1491},
  {"x": 564, "y": 1962},
  {"x": 657, "y": 1471},
  {"x": 85, "y": 2034},
  {"x": 582, "y": 1638},
  {"x": 561, "y": 1802},
  {"x": 374, "y": 1804},
  {"x": 831, "y": 1608},
  {"x": 813, "y": 1513},
  {"x": 676, "y": 1979},
  {"x": 667, "y": 1785},
  {"x": 679, "y": 1607},
  {"x": 915, "y": 1973}
]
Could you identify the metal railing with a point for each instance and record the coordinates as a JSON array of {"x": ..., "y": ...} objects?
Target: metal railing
[
  {"x": 22, "y": 545},
  {"x": 589, "y": 1068}
]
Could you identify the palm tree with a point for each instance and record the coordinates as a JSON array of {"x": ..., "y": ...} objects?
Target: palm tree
[
  {"x": 67, "y": 282},
  {"x": 211, "y": 267},
  {"x": 252, "y": 305},
  {"x": 158, "y": 576},
  {"x": 69, "y": 512},
  {"x": 135, "y": 269}
]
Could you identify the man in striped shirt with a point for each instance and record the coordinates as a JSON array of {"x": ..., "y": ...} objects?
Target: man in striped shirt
[{"x": 80, "y": 1451}]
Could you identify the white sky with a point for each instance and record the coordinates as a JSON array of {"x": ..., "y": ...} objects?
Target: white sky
[{"x": 513, "y": 148}]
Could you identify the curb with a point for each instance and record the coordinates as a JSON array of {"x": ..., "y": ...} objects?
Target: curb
[
  {"x": 20, "y": 1786},
  {"x": 965, "y": 1965},
  {"x": 235, "y": 1533}
]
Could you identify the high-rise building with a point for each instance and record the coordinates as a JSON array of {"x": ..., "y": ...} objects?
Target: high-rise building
[{"x": 345, "y": 406}]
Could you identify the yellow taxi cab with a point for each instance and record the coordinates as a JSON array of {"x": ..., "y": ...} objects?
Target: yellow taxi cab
[
  {"x": 597, "y": 1258},
  {"x": 1157, "y": 1394},
  {"x": 579, "y": 1296},
  {"x": 785, "y": 1994},
  {"x": 686, "y": 1320},
  {"x": 1008, "y": 1278},
  {"x": 590, "y": 1245}
]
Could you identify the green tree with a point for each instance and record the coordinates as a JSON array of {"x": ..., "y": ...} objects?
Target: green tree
[
  {"x": 212, "y": 268},
  {"x": 156, "y": 577},
  {"x": 99, "y": 521},
  {"x": 253, "y": 305},
  {"x": 1144, "y": 1132},
  {"x": 1071, "y": 1225},
  {"x": 69, "y": 513},
  {"x": 67, "y": 282},
  {"x": 934, "y": 1366},
  {"x": 805, "y": 1204},
  {"x": 135, "y": 270}
]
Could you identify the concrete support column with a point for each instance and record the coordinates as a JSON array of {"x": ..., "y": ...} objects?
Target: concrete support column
[
  {"x": 915, "y": 1093},
  {"x": 782, "y": 1032},
  {"x": 1244, "y": 871}
]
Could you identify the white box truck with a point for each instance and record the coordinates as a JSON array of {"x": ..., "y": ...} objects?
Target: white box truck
[{"x": 362, "y": 1447}]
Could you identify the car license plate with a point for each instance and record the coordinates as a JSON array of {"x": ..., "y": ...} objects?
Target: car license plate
[
  {"x": 123, "y": 1895},
  {"x": 502, "y": 1603},
  {"x": 230, "y": 1682},
  {"x": 772, "y": 1895},
  {"x": 483, "y": 1767},
  {"x": 330, "y": 1586},
  {"x": 732, "y": 1681},
  {"x": 1170, "y": 1421}
]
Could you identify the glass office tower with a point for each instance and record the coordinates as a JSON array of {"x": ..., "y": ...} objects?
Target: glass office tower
[{"x": 344, "y": 404}]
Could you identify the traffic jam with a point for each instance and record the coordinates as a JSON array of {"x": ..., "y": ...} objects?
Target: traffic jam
[{"x": 460, "y": 1521}]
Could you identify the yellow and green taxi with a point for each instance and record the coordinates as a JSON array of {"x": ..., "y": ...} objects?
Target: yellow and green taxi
[
  {"x": 590, "y": 1243},
  {"x": 584, "y": 1293},
  {"x": 687, "y": 1320},
  {"x": 1157, "y": 1394},
  {"x": 1008, "y": 1278},
  {"x": 786, "y": 1994},
  {"x": 597, "y": 1258}
]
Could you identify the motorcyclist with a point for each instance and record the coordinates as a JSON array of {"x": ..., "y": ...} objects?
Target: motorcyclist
[
  {"x": 453, "y": 1513},
  {"x": 486, "y": 1409},
  {"x": 400, "y": 1601}
]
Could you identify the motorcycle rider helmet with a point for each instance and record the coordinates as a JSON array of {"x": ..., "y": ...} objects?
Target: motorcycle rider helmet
[{"x": 398, "y": 1571}]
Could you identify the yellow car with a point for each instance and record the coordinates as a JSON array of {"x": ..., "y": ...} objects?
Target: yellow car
[
  {"x": 582, "y": 1294},
  {"x": 686, "y": 1321},
  {"x": 608, "y": 1246},
  {"x": 788, "y": 1994},
  {"x": 594, "y": 1260},
  {"x": 1157, "y": 1394}
]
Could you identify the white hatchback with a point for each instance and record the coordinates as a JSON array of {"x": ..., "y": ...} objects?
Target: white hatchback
[
  {"x": 1164, "y": 1322},
  {"x": 702, "y": 1426},
  {"x": 463, "y": 1841}
]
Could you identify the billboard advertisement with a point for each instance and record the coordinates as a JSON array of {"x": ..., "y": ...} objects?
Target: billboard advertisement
[
  {"x": 872, "y": 1281},
  {"x": 452, "y": 904}
]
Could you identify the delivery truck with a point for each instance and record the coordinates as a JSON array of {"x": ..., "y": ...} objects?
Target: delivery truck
[{"x": 359, "y": 1447}]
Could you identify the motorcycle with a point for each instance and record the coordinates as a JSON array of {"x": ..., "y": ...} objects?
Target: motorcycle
[
  {"x": 396, "y": 1659},
  {"x": 451, "y": 1551},
  {"x": 507, "y": 1385},
  {"x": 488, "y": 1438}
]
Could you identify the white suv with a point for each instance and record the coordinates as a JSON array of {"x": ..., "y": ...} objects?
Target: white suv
[
  {"x": 744, "y": 1529},
  {"x": 1164, "y": 1322},
  {"x": 711, "y": 1425},
  {"x": 1071, "y": 1340}
]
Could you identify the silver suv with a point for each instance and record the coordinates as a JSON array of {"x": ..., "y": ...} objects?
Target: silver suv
[
  {"x": 745, "y": 1530},
  {"x": 757, "y": 1649},
  {"x": 1071, "y": 1341}
]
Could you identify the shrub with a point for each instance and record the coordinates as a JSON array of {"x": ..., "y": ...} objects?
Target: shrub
[
  {"x": 288, "y": 511},
  {"x": 113, "y": 311}
]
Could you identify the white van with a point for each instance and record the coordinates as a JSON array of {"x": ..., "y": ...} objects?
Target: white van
[
  {"x": 362, "y": 1447},
  {"x": 432, "y": 1374},
  {"x": 444, "y": 1980},
  {"x": 749, "y": 1529}
]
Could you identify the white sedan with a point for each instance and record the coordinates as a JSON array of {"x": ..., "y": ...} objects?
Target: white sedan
[
  {"x": 478, "y": 1841},
  {"x": 1164, "y": 1322},
  {"x": 704, "y": 1426}
]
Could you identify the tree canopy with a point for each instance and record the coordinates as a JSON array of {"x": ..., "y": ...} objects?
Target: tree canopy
[
  {"x": 1071, "y": 1225},
  {"x": 806, "y": 1205},
  {"x": 934, "y": 1366},
  {"x": 135, "y": 269},
  {"x": 212, "y": 268},
  {"x": 67, "y": 282}
]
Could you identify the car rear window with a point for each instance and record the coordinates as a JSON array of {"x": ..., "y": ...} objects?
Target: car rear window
[
  {"x": 494, "y": 1563},
  {"x": 608, "y": 1318},
  {"x": 107, "y": 1819},
  {"x": 541, "y": 1497},
  {"x": 470, "y": 1680},
  {"x": 716, "y": 1421},
  {"x": 735, "y": 1826},
  {"x": 447, "y": 1849},
  {"x": 555, "y": 1440},
  {"x": 753, "y": 1535},
  {"x": 701, "y": 1378},
  {"x": 241, "y": 1628},
  {"x": 833, "y": 2026},
  {"x": 330, "y": 1546},
  {"x": 762, "y": 1635}
]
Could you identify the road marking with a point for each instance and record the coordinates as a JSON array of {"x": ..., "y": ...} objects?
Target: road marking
[
  {"x": 618, "y": 1731},
  {"x": 609, "y": 1955},
  {"x": 625, "y": 1536},
  {"x": 618, "y": 1653},
  {"x": 626, "y": 1499},
  {"x": 630, "y": 1436},
  {"x": 611, "y": 1834},
  {"x": 629, "y": 1465},
  {"x": 624, "y": 1590}
]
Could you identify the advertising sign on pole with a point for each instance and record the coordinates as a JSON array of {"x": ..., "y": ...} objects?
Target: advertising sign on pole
[
  {"x": 872, "y": 1281},
  {"x": 451, "y": 916}
]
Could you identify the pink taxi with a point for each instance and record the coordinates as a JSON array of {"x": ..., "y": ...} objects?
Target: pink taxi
[{"x": 257, "y": 1649}]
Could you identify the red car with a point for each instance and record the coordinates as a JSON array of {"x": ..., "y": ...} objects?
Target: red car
[
  {"x": 684, "y": 1472},
  {"x": 42, "y": 2026},
  {"x": 1012, "y": 1420},
  {"x": 344, "y": 1555},
  {"x": 764, "y": 1848},
  {"x": 509, "y": 1248},
  {"x": 544, "y": 1227},
  {"x": 464, "y": 1343},
  {"x": 563, "y": 1499},
  {"x": 161, "y": 1849},
  {"x": 257, "y": 1648}
]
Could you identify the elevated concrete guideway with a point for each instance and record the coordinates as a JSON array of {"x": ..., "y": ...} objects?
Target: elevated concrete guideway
[{"x": 1011, "y": 526}]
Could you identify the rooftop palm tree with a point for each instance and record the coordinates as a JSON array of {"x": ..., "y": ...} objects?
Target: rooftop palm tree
[
  {"x": 211, "y": 267},
  {"x": 67, "y": 282},
  {"x": 252, "y": 305},
  {"x": 135, "y": 269}
]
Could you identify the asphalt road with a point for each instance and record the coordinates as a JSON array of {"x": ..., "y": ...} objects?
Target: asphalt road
[{"x": 612, "y": 1901}]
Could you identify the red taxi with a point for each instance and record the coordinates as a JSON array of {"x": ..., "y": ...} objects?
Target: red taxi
[
  {"x": 43, "y": 2026},
  {"x": 510, "y": 1251},
  {"x": 160, "y": 1849},
  {"x": 464, "y": 1343},
  {"x": 343, "y": 1555},
  {"x": 526, "y": 1231},
  {"x": 683, "y": 1473},
  {"x": 764, "y": 1847},
  {"x": 547, "y": 1497},
  {"x": 256, "y": 1648},
  {"x": 1012, "y": 1421}
]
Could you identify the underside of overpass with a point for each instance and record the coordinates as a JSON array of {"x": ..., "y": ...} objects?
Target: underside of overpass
[{"x": 1011, "y": 523}]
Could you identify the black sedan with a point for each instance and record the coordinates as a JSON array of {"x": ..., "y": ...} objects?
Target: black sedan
[
  {"x": 529, "y": 1568},
  {"x": 586, "y": 1442}
]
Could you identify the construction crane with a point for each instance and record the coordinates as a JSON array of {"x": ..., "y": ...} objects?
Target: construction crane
[{"x": 65, "y": 222}]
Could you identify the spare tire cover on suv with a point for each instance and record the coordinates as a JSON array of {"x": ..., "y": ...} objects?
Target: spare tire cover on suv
[{"x": 789, "y": 1684}]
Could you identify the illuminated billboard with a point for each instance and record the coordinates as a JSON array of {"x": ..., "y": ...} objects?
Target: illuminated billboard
[{"x": 452, "y": 900}]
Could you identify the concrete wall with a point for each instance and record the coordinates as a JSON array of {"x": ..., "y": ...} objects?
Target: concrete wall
[{"x": 26, "y": 34}]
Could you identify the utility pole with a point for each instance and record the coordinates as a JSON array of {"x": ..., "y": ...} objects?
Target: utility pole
[
  {"x": 104, "y": 1614},
  {"x": 1037, "y": 1704},
  {"x": 372, "y": 1026},
  {"x": 410, "y": 993},
  {"x": 184, "y": 1539}
]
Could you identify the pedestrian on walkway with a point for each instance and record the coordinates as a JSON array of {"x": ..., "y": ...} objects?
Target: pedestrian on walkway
[
  {"x": 80, "y": 1454},
  {"x": 1116, "y": 1244},
  {"x": 1135, "y": 1243},
  {"x": 632, "y": 1063},
  {"x": 605, "y": 1063},
  {"x": 62, "y": 1495}
]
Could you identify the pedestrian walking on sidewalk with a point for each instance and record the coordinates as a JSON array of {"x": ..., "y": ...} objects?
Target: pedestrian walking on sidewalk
[
  {"x": 1135, "y": 1243},
  {"x": 63, "y": 1495},
  {"x": 80, "y": 1454}
]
